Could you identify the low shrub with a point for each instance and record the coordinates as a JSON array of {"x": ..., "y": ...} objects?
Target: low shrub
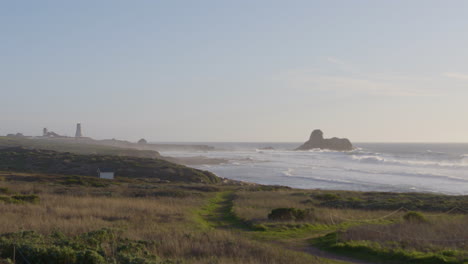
[
  {"x": 414, "y": 217},
  {"x": 4, "y": 190},
  {"x": 307, "y": 201},
  {"x": 28, "y": 198},
  {"x": 19, "y": 198},
  {"x": 375, "y": 252},
  {"x": 203, "y": 188},
  {"x": 291, "y": 214},
  {"x": 89, "y": 248},
  {"x": 5, "y": 199},
  {"x": 327, "y": 197}
]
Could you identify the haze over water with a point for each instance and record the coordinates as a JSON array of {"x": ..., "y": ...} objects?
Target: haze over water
[{"x": 399, "y": 167}]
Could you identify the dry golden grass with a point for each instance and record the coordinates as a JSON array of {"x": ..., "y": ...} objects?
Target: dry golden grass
[
  {"x": 169, "y": 224},
  {"x": 448, "y": 231},
  {"x": 74, "y": 215},
  {"x": 255, "y": 206}
]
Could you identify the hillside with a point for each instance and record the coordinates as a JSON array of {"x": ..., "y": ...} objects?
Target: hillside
[
  {"x": 21, "y": 159},
  {"x": 77, "y": 147},
  {"x": 110, "y": 147}
]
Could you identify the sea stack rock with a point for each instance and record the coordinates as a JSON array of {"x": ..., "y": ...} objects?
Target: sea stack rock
[{"x": 317, "y": 141}]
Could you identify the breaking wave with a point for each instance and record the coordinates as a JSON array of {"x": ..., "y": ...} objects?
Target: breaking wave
[
  {"x": 288, "y": 172},
  {"x": 376, "y": 159}
]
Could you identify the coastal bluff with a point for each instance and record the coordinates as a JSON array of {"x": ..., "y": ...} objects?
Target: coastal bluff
[{"x": 316, "y": 140}]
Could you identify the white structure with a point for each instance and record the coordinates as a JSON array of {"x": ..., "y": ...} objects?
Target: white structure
[
  {"x": 105, "y": 173},
  {"x": 78, "y": 131}
]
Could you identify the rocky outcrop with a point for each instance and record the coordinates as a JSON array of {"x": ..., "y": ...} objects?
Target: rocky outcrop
[
  {"x": 142, "y": 141},
  {"x": 267, "y": 148},
  {"x": 317, "y": 141}
]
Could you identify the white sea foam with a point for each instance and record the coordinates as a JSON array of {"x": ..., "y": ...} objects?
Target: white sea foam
[
  {"x": 434, "y": 152},
  {"x": 379, "y": 159},
  {"x": 288, "y": 172}
]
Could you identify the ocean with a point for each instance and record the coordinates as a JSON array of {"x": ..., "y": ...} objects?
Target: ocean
[{"x": 389, "y": 167}]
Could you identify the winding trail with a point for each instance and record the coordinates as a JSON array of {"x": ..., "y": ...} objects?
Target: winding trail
[{"x": 218, "y": 214}]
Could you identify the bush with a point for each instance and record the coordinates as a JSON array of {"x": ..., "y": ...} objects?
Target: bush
[
  {"x": 414, "y": 217},
  {"x": 90, "y": 256},
  {"x": 291, "y": 214},
  {"x": 5, "y": 199},
  {"x": 87, "y": 248},
  {"x": 307, "y": 201},
  {"x": 327, "y": 197},
  {"x": 31, "y": 198}
]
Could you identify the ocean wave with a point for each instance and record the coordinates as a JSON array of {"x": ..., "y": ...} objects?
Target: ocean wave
[
  {"x": 319, "y": 150},
  {"x": 288, "y": 172},
  {"x": 328, "y": 180},
  {"x": 437, "y": 153},
  {"x": 368, "y": 158},
  {"x": 410, "y": 174},
  {"x": 376, "y": 159}
]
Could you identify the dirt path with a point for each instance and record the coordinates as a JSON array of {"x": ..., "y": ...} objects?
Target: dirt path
[
  {"x": 323, "y": 254},
  {"x": 219, "y": 214}
]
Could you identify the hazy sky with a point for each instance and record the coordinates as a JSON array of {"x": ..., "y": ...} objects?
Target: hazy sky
[{"x": 236, "y": 70}]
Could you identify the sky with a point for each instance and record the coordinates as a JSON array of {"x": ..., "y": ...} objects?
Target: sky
[{"x": 244, "y": 70}]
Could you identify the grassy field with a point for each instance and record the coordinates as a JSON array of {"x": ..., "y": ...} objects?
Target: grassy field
[
  {"x": 49, "y": 219},
  {"x": 126, "y": 222},
  {"x": 435, "y": 234}
]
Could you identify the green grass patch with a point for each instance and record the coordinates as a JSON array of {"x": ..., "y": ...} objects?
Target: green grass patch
[
  {"x": 372, "y": 251},
  {"x": 218, "y": 213},
  {"x": 389, "y": 201},
  {"x": 96, "y": 247},
  {"x": 20, "y": 198}
]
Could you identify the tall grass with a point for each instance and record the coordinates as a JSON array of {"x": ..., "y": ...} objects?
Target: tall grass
[
  {"x": 442, "y": 232},
  {"x": 166, "y": 224},
  {"x": 255, "y": 207}
]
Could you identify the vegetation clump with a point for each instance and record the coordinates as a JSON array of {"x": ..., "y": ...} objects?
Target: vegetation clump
[
  {"x": 4, "y": 190},
  {"x": 414, "y": 217},
  {"x": 389, "y": 252},
  {"x": 327, "y": 197},
  {"x": 96, "y": 247},
  {"x": 20, "y": 198},
  {"x": 291, "y": 214},
  {"x": 390, "y": 201}
]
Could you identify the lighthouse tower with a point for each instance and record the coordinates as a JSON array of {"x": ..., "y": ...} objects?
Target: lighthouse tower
[{"x": 78, "y": 131}]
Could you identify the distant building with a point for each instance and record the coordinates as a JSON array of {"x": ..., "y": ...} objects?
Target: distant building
[
  {"x": 78, "y": 131},
  {"x": 51, "y": 134},
  {"x": 105, "y": 173},
  {"x": 15, "y": 135}
]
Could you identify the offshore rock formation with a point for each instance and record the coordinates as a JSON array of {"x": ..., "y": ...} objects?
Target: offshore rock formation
[
  {"x": 142, "y": 141},
  {"x": 317, "y": 141}
]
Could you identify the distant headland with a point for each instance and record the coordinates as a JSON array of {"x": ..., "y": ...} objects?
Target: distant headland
[
  {"x": 79, "y": 138},
  {"x": 316, "y": 141}
]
